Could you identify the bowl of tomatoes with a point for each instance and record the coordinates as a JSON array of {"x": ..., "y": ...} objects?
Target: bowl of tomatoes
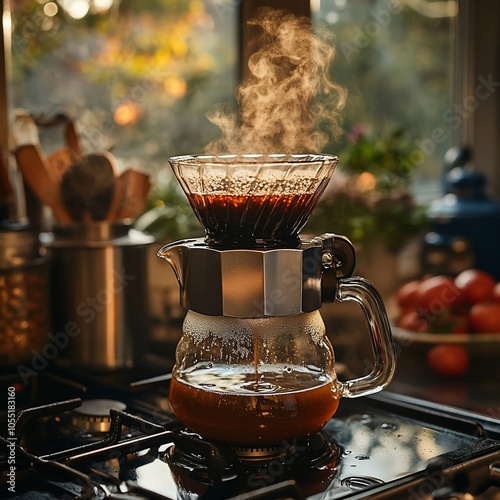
[{"x": 449, "y": 324}]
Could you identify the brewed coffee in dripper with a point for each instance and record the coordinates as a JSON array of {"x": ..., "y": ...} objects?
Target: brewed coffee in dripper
[{"x": 253, "y": 200}]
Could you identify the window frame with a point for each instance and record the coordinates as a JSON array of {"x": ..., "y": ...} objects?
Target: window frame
[{"x": 478, "y": 54}]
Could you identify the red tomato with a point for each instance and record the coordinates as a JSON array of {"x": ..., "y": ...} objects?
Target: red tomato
[
  {"x": 496, "y": 293},
  {"x": 475, "y": 285},
  {"x": 410, "y": 320},
  {"x": 485, "y": 317},
  {"x": 406, "y": 296},
  {"x": 449, "y": 360},
  {"x": 449, "y": 322},
  {"x": 436, "y": 295},
  {"x": 460, "y": 324}
]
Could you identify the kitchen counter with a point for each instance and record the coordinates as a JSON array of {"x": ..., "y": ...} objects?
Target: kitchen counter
[{"x": 478, "y": 396}]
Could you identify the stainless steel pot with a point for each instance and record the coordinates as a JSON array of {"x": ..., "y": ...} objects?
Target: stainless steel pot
[{"x": 99, "y": 293}]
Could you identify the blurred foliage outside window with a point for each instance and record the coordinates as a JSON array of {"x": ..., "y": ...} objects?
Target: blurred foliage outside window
[
  {"x": 137, "y": 76},
  {"x": 395, "y": 58}
]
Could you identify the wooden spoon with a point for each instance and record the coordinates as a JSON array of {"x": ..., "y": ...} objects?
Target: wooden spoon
[
  {"x": 88, "y": 186},
  {"x": 71, "y": 138},
  {"x": 39, "y": 177},
  {"x": 61, "y": 160},
  {"x": 132, "y": 189}
]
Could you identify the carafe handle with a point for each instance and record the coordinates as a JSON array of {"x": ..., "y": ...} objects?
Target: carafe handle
[{"x": 363, "y": 293}]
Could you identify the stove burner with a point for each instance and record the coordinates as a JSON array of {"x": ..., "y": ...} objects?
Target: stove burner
[
  {"x": 266, "y": 453},
  {"x": 315, "y": 451},
  {"x": 360, "y": 482},
  {"x": 94, "y": 416},
  {"x": 197, "y": 468}
]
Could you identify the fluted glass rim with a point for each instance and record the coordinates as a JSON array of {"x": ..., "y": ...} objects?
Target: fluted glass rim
[{"x": 232, "y": 160}]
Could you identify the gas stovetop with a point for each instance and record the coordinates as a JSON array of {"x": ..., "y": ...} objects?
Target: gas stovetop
[{"x": 71, "y": 435}]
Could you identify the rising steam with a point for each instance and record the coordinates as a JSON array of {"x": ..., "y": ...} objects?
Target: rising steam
[{"x": 288, "y": 104}]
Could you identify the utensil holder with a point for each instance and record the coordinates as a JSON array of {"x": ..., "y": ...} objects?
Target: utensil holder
[{"x": 99, "y": 293}]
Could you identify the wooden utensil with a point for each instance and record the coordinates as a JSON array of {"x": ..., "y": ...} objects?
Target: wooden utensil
[
  {"x": 71, "y": 138},
  {"x": 40, "y": 178},
  {"x": 5, "y": 184},
  {"x": 130, "y": 196},
  {"x": 118, "y": 198},
  {"x": 88, "y": 187},
  {"x": 60, "y": 161},
  {"x": 138, "y": 186}
]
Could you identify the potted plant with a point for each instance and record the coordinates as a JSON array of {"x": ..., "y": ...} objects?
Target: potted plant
[{"x": 370, "y": 201}]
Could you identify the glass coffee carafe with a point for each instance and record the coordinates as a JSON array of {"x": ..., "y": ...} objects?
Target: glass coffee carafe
[{"x": 254, "y": 366}]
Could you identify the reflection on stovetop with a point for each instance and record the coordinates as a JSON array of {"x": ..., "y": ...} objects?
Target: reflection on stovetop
[{"x": 80, "y": 435}]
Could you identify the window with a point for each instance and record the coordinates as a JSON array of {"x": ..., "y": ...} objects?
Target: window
[
  {"x": 395, "y": 58},
  {"x": 140, "y": 76}
]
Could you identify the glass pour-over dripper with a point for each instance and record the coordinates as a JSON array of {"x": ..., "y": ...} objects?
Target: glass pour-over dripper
[{"x": 253, "y": 200}]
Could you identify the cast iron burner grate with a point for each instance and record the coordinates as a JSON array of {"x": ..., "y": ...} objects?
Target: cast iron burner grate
[
  {"x": 378, "y": 447},
  {"x": 192, "y": 457}
]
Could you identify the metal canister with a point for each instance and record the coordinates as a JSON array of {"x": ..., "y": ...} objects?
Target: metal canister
[
  {"x": 99, "y": 293},
  {"x": 465, "y": 214},
  {"x": 24, "y": 293}
]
